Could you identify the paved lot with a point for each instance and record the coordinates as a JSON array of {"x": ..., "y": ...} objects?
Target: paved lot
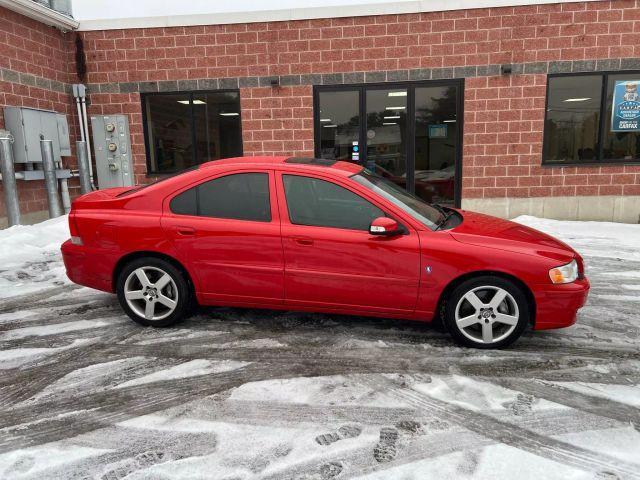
[{"x": 236, "y": 394}]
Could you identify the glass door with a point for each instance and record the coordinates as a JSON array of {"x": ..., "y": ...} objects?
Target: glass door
[
  {"x": 386, "y": 135},
  {"x": 338, "y": 125},
  {"x": 436, "y": 143},
  {"x": 408, "y": 133}
]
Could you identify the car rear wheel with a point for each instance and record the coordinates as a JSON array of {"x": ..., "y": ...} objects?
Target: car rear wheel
[
  {"x": 153, "y": 292},
  {"x": 486, "y": 312}
]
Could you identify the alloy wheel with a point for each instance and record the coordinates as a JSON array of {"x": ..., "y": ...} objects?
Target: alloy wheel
[
  {"x": 487, "y": 314},
  {"x": 151, "y": 293}
]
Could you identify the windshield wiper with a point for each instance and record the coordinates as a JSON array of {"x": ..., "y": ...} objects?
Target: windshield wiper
[{"x": 445, "y": 215}]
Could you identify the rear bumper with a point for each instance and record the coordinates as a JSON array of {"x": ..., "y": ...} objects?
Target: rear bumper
[
  {"x": 557, "y": 305},
  {"x": 87, "y": 266}
]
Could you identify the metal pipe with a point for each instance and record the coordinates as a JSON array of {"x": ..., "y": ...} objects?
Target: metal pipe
[
  {"x": 79, "y": 93},
  {"x": 9, "y": 178},
  {"x": 83, "y": 167},
  {"x": 85, "y": 121},
  {"x": 80, "y": 117},
  {"x": 64, "y": 192},
  {"x": 49, "y": 167}
]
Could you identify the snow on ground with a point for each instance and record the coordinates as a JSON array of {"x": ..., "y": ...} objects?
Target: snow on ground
[
  {"x": 30, "y": 258},
  {"x": 194, "y": 368},
  {"x": 248, "y": 394},
  {"x": 53, "y": 329},
  {"x": 592, "y": 239}
]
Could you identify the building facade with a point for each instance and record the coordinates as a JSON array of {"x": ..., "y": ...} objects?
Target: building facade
[{"x": 510, "y": 110}]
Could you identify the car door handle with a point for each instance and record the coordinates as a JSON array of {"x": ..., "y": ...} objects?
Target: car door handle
[
  {"x": 186, "y": 231},
  {"x": 307, "y": 242}
]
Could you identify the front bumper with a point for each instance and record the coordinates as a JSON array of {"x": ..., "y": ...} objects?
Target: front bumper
[{"x": 557, "y": 305}]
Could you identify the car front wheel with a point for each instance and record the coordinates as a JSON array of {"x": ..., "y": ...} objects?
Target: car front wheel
[
  {"x": 153, "y": 292},
  {"x": 486, "y": 312}
]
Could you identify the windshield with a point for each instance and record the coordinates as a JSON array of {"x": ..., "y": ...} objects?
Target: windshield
[{"x": 414, "y": 206}]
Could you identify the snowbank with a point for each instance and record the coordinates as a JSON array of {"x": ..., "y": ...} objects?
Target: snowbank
[
  {"x": 596, "y": 239},
  {"x": 30, "y": 258}
]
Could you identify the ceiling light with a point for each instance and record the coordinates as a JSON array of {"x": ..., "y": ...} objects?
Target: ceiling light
[
  {"x": 330, "y": 126},
  {"x": 325, "y": 119},
  {"x": 392, "y": 117},
  {"x": 230, "y": 114},
  {"x": 449, "y": 121},
  {"x": 403, "y": 93},
  {"x": 580, "y": 99},
  {"x": 395, "y": 108},
  {"x": 389, "y": 123},
  {"x": 195, "y": 102}
]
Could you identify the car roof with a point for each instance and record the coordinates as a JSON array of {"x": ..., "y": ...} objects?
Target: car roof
[{"x": 287, "y": 163}]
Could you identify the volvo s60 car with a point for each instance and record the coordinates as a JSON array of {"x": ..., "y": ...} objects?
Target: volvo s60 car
[{"x": 318, "y": 235}]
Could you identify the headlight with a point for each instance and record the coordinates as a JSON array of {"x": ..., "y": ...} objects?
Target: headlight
[{"x": 565, "y": 273}]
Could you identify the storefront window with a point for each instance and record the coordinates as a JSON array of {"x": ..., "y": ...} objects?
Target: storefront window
[
  {"x": 186, "y": 129},
  {"x": 573, "y": 119},
  {"x": 339, "y": 124},
  {"x": 580, "y": 128},
  {"x": 616, "y": 144}
]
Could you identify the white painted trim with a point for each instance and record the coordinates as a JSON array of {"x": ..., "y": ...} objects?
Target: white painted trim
[
  {"x": 42, "y": 14},
  {"x": 284, "y": 14}
]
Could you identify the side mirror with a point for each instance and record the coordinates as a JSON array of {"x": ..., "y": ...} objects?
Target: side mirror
[{"x": 384, "y": 226}]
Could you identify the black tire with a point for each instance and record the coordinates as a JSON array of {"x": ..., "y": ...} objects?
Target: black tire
[
  {"x": 180, "y": 284},
  {"x": 517, "y": 306}
]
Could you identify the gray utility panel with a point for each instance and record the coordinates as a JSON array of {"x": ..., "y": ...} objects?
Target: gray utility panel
[
  {"x": 29, "y": 125},
  {"x": 112, "y": 145}
]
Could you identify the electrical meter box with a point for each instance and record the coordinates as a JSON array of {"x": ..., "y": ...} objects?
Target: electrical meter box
[
  {"x": 112, "y": 145},
  {"x": 29, "y": 125}
]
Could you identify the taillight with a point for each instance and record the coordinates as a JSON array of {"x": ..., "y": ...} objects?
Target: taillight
[
  {"x": 73, "y": 229},
  {"x": 580, "y": 266}
]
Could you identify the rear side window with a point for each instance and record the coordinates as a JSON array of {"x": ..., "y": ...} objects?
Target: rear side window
[
  {"x": 319, "y": 203},
  {"x": 241, "y": 196}
]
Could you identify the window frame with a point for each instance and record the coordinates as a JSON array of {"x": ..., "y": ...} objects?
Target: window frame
[
  {"x": 196, "y": 185},
  {"x": 337, "y": 184},
  {"x": 191, "y": 94},
  {"x": 604, "y": 74}
]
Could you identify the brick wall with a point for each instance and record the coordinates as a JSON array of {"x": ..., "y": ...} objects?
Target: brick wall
[
  {"x": 504, "y": 115},
  {"x": 36, "y": 65}
]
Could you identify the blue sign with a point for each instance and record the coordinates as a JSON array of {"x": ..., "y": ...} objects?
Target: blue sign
[
  {"x": 625, "y": 113},
  {"x": 438, "y": 131}
]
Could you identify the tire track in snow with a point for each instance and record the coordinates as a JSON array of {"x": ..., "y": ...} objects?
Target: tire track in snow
[
  {"x": 11, "y": 304},
  {"x": 509, "y": 434},
  {"x": 433, "y": 442},
  {"x": 115, "y": 406},
  {"x": 580, "y": 401}
]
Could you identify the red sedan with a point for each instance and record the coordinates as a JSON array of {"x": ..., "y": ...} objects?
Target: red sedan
[{"x": 318, "y": 235}]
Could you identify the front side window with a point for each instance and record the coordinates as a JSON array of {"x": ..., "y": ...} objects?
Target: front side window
[
  {"x": 592, "y": 118},
  {"x": 319, "y": 203},
  {"x": 186, "y": 129},
  {"x": 241, "y": 196}
]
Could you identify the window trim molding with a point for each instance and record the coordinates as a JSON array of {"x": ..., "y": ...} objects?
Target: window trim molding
[
  {"x": 191, "y": 93},
  {"x": 604, "y": 74}
]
